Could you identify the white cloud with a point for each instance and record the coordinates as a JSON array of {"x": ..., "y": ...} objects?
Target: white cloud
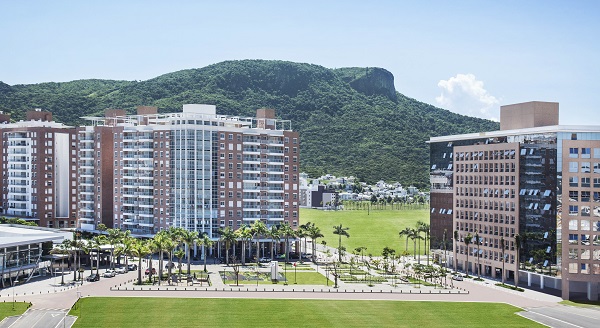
[{"x": 464, "y": 94}]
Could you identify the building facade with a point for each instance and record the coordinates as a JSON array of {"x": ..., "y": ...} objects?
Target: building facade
[
  {"x": 196, "y": 169},
  {"x": 515, "y": 184},
  {"x": 38, "y": 163}
]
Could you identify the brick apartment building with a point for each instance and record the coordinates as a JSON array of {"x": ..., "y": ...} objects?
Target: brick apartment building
[
  {"x": 38, "y": 162},
  {"x": 195, "y": 169}
]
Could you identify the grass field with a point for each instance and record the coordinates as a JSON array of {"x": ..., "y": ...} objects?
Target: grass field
[
  {"x": 194, "y": 312},
  {"x": 375, "y": 231},
  {"x": 7, "y": 311}
]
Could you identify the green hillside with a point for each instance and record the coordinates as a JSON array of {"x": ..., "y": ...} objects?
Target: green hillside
[{"x": 352, "y": 121}]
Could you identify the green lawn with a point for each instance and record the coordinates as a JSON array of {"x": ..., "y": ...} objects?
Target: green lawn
[
  {"x": 195, "y": 312},
  {"x": 375, "y": 231},
  {"x": 301, "y": 278},
  {"x": 6, "y": 309}
]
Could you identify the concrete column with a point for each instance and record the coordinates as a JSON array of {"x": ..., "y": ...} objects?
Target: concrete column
[
  {"x": 493, "y": 272},
  {"x": 529, "y": 279},
  {"x": 565, "y": 287},
  {"x": 541, "y": 281},
  {"x": 592, "y": 291}
]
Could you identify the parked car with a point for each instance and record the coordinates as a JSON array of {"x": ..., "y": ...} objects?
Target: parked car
[
  {"x": 132, "y": 267},
  {"x": 172, "y": 265},
  {"x": 457, "y": 277},
  {"x": 121, "y": 270},
  {"x": 264, "y": 260},
  {"x": 153, "y": 271},
  {"x": 93, "y": 277},
  {"x": 109, "y": 274}
]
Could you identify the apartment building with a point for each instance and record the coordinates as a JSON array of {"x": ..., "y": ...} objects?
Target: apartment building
[
  {"x": 195, "y": 169},
  {"x": 38, "y": 162},
  {"x": 495, "y": 186}
]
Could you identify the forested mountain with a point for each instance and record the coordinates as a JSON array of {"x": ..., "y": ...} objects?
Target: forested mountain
[{"x": 352, "y": 120}]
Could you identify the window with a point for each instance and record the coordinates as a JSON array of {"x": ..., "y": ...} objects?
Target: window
[
  {"x": 596, "y": 152},
  {"x": 596, "y": 182},
  {"x": 573, "y": 167},
  {"x": 573, "y": 195},
  {"x": 585, "y": 167},
  {"x": 573, "y": 181},
  {"x": 573, "y": 152},
  {"x": 573, "y": 209},
  {"x": 585, "y": 196},
  {"x": 586, "y": 152},
  {"x": 585, "y": 182}
]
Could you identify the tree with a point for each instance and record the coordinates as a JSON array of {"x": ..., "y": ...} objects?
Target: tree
[
  {"x": 503, "y": 247},
  {"x": 228, "y": 237},
  {"x": 189, "y": 238},
  {"x": 140, "y": 249},
  {"x": 405, "y": 233},
  {"x": 361, "y": 250},
  {"x": 415, "y": 236},
  {"x": 243, "y": 233},
  {"x": 314, "y": 233},
  {"x": 275, "y": 235},
  {"x": 76, "y": 246},
  {"x": 340, "y": 231},
  {"x": 455, "y": 242},
  {"x": 62, "y": 249},
  {"x": 518, "y": 241},
  {"x": 286, "y": 231},
  {"x": 467, "y": 240},
  {"x": 160, "y": 243},
  {"x": 179, "y": 254},
  {"x": 206, "y": 242},
  {"x": 258, "y": 229},
  {"x": 422, "y": 227},
  {"x": 478, "y": 243},
  {"x": 114, "y": 237},
  {"x": 97, "y": 242}
]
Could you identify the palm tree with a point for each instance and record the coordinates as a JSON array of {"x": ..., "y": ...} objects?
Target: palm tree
[
  {"x": 455, "y": 241},
  {"x": 113, "y": 238},
  {"x": 76, "y": 246},
  {"x": 503, "y": 247},
  {"x": 97, "y": 242},
  {"x": 258, "y": 229},
  {"x": 180, "y": 254},
  {"x": 286, "y": 231},
  {"x": 468, "y": 239},
  {"x": 227, "y": 236},
  {"x": 422, "y": 227},
  {"x": 140, "y": 249},
  {"x": 160, "y": 243},
  {"x": 62, "y": 249},
  {"x": 478, "y": 243},
  {"x": 169, "y": 246},
  {"x": 314, "y": 233},
  {"x": 340, "y": 231},
  {"x": 425, "y": 228},
  {"x": 405, "y": 233},
  {"x": 189, "y": 238},
  {"x": 275, "y": 234},
  {"x": 302, "y": 232},
  {"x": 518, "y": 241},
  {"x": 415, "y": 236},
  {"x": 206, "y": 242},
  {"x": 243, "y": 233}
]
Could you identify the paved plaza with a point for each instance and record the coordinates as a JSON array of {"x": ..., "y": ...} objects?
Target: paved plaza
[{"x": 51, "y": 301}]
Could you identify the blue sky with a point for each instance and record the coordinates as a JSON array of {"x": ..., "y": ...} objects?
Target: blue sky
[{"x": 470, "y": 57}]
